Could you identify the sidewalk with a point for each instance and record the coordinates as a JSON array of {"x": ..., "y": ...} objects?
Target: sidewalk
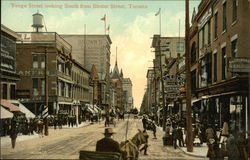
[
  {"x": 7, "y": 141},
  {"x": 200, "y": 152}
]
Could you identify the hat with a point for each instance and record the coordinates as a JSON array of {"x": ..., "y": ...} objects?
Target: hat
[{"x": 108, "y": 131}]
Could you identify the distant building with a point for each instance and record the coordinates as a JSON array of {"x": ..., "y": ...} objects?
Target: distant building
[
  {"x": 80, "y": 89},
  {"x": 127, "y": 93},
  {"x": 8, "y": 76},
  {"x": 91, "y": 49},
  {"x": 171, "y": 49},
  {"x": 116, "y": 81}
]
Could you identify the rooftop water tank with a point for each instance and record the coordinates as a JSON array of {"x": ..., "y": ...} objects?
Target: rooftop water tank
[{"x": 37, "y": 21}]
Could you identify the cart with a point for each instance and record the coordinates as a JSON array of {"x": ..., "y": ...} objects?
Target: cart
[{"x": 93, "y": 155}]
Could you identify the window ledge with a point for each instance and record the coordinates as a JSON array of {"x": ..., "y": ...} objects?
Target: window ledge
[
  {"x": 234, "y": 22},
  {"x": 223, "y": 32}
]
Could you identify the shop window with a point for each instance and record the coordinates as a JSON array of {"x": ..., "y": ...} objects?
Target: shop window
[
  {"x": 12, "y": 91},
  {"x": 66, "y": 90},
  {"x": 35, "y": 61},
  {"x": 193, "y": 53},
  {"x": 4, "y": 91},
  {"x": 209, "y": 32},
  {"x": 43, "y": 87},
  {"x": 235, "y": 10},
  {"x": 234, "y": 48},
  {"x": 203, "y": 36},
  {"x": 215, "y": 67},
  {"x": 206, "y": 70},
  {"x": 237, "y": 114},
  {"x": 43, "y": 61},
  {"x": 62, "y": 89},
  {"x": 223, "y": 64},
  {"x": 35, "y": 86},
  {"x": 224, "y": 18},
  {"x": 216, "y": 25}
]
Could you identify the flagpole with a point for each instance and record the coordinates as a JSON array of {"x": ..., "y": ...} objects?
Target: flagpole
[
  {"x": 105, "y": 24},
  {"x": 160, "y": 22}
]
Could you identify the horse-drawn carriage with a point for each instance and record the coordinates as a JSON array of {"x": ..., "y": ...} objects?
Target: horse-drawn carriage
[{"x": 130, "y": 147}]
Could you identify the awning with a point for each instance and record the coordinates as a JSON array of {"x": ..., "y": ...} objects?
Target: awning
[
  {"x": 217, "y": 95},
  {"x": 5, "y": 113},
  {"x": 89, "y": 108},
  {"x": 9, "y": 106},
  {"x": 23, "y": 109},
  {"x": 67, "y": 103},
  {"x": 195, "y": 100}
]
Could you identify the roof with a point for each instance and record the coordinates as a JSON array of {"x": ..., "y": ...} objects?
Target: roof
[
  {"x": 79, "y": 65},
  {"x": 5, "y": 113},
  {"x": 10, "y": 32},
  {"x": 89, "y": 35},
  {"x": 6, "y": 104}
]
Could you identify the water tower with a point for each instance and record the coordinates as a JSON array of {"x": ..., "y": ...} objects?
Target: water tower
[{"x": 37, "y": 21}]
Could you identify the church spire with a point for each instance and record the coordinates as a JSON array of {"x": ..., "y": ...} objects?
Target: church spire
[{"x": 116, "y": 56}]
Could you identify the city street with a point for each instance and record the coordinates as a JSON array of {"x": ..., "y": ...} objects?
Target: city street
[{"x": 66, "y": 143}]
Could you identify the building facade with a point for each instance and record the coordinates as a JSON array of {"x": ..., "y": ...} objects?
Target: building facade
[
  {"x": 127, "y": 93},
  {"x": 8, "y": 77},
  {"x": 80, "y": 89},
  {"x": 44, "y": 63},
  {"x": 220, "y": 63},
  {"x": 91, "y": 49}
]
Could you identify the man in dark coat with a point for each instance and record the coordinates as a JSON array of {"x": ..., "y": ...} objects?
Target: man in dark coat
[
  {"x": 144, "y": 122},
  {"x": 107, "y": 144},
  {"x": 175, "y": 136}
]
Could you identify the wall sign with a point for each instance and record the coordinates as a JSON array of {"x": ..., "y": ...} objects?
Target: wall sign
[{"x": 8, "y": 54}]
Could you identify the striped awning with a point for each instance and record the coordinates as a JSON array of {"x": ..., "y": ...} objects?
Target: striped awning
[{"x": 7, "y": 105}]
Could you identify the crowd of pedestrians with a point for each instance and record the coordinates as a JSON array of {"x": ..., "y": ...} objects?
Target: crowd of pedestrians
[{"x": 221, "y": 142}]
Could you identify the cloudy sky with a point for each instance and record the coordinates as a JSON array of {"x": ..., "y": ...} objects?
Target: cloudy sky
[{"x": 131, "y": 27}]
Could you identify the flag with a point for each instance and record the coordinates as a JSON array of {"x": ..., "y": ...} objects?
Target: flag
[
  {"x": 156, "y": 14},
  {"x": 108, "y": 28},
  {"x": 103, "y": 18}
]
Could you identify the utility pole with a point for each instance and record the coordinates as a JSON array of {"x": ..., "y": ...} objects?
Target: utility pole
[
  {"x": 188, "y": 83},
  {"x": 156, "y": 107},
  {"x": 46, "y": 92},
  {"x": 162, "y": 86}
]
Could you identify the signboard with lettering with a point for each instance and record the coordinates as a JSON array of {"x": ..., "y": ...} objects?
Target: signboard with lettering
[
  {"x": 8, "y": 54},
  {"x": 239, "y": 64},
  {"x": 173, "y": 83}
]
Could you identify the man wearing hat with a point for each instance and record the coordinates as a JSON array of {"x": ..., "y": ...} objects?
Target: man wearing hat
[{"x": 107, "y": 144}]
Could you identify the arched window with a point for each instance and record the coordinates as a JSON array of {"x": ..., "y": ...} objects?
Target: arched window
[{"x": 193, "y": 53}]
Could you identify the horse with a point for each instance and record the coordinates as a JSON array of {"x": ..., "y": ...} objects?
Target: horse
[{"x": 131, "y": 147}]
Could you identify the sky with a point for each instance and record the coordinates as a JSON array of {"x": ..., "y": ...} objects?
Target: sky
[{"x": 132, "y": 27}]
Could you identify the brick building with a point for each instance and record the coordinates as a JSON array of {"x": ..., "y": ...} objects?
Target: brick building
[
  {"x": 36, "y": 53},
  {"x": 8, "y": 75},
  {"x": 220, "y": 62}
]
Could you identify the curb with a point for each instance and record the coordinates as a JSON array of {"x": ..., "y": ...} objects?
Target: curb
[{"x": 190, "y": 154}]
